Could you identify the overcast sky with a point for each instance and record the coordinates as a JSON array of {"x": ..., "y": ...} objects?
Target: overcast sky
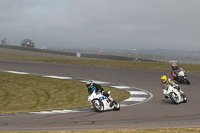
[{"x": 118, "y": 24}]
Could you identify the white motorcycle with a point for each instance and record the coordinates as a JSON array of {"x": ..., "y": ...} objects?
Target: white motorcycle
[
  {"x": 101, "y": 102},
  {"x": 174, "y": 95},
  {"x": 182, "y": 77}
]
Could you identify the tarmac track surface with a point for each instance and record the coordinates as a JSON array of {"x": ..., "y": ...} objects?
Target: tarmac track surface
[{"x": 155, "y": 113}]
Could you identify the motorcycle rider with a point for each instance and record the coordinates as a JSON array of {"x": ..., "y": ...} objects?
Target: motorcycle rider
[
  {"x": 174, "y": 69},
  {"x": 166, "y": 82},
  {"x": 97, "y": 88}
]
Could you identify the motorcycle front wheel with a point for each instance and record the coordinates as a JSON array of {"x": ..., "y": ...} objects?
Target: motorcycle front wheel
[
  {"x": 98, "y": 105},
  {"x": 174, "y": 97}
]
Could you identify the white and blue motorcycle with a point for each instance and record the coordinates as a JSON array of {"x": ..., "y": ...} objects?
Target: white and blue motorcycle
[{"x": 102, "y": 103}]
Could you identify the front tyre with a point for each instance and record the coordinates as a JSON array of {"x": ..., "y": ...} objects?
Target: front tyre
[
  {"x": 98, "y": 105},
  {"x": 174, "y": 97}
]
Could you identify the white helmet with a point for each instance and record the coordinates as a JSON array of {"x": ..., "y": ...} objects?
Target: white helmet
[{"x": 89, "y": 84}]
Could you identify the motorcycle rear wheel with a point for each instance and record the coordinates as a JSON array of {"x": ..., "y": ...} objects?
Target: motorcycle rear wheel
[
  {"x": 187, "y": 81},
  {"x": 116, "y": 105},
  {"x": 184, "y": 98}
]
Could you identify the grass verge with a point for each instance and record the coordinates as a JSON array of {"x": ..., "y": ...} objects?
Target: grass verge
[{"x": 29, "y": 93}]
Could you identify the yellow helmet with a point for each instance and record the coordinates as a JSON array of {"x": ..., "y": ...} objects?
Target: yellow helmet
[{"x": 163, "y": 79}]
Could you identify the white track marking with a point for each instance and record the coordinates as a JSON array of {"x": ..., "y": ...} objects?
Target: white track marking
[
  {"x": 138, "y": 99},
  {"x": 138, "y": 93},
  {"x": 58, "y": 77},
  {"x": 17, "y": 72},
  {"x": 121, "y": 87}
]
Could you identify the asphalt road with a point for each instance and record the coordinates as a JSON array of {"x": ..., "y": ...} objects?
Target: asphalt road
[{"x": 155, "y": 113}]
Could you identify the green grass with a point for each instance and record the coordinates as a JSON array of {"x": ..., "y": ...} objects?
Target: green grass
[{"x": 29, "y": 93}]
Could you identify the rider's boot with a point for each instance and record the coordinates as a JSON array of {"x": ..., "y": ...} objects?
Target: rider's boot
[
  {"x": 111, "y": 101},
  {"x": 181, "y": 91}
]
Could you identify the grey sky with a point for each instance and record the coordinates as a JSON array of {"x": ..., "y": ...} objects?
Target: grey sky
[{"x": 121, "y": 24}]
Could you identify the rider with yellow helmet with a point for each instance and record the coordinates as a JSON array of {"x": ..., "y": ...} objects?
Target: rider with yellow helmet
[{"x": 166, "y": 82}]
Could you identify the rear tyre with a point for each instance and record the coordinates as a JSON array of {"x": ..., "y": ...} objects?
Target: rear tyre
[
  {"x": 187, "y": 81},
  {"x": 116, "y": 105},
  {"x": 184, "y": 98}
]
